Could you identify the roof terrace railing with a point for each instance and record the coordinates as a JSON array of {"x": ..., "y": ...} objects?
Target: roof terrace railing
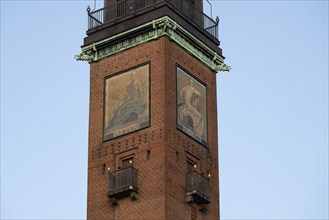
[{"x": 129, "y": 7}]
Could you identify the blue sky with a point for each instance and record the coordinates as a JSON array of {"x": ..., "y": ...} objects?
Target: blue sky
[{"x": 272, "y": 109}]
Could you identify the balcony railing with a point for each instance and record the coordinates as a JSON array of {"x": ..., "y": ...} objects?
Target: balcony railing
[
  {"x": 197, "y": 188},
  {"x": 130, "y": 7},
  {"x": 123, "y": 183}
]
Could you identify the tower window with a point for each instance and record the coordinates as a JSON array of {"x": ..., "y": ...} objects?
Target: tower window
[
  {"x": 190, "y": 166},
  {"x": 127, "y": 162}
]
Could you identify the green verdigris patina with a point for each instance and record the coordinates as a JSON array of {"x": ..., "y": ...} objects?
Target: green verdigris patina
[
  {"x": 152, "y": 31},
  {"x": 88, "y": 55}
]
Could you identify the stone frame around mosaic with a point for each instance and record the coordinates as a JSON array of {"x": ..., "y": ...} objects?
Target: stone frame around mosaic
[
  {"x": 181, "y": 126},
  {"x": 138, "y": 126}
]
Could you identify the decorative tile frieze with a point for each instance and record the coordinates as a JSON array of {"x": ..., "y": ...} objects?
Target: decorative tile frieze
[
  {"x": 141, "y": 139},
  {"x": 176, "y": 138}
]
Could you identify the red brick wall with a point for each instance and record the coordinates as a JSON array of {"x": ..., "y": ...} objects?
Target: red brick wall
[{"x": 161, "y": 178}]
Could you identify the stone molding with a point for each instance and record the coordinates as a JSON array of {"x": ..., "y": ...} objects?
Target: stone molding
[{"x": 153, "y": 30}]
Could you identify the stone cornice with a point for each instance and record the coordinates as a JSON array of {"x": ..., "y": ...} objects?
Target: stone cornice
[{"x": 152, "y": 31}]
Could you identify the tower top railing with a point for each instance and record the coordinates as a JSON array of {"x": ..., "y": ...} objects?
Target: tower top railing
[{"x": 124, "y": 8}]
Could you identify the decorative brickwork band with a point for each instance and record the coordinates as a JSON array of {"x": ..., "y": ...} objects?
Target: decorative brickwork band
[{"x": 152, "y": 31}]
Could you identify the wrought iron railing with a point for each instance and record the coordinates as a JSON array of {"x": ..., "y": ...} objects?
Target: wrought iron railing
[
  {"x": 196, "y": 16},
  {"x": 197, "y": 186},
  {"x": 122, "y": 181},
  {"x": 129, "y": 7}
]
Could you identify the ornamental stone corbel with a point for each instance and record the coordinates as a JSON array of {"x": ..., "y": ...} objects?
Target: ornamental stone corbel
[
  {"x": 169, "y": 27},
  {"x": 159, "y": 27},
  {"x": 164, "y": 26},
  {"x": 218, "y": 64},
  {"x": 84, "y": 57},
  {"x": 89, "y": 54},
  {"x": 224, "y": 67}
]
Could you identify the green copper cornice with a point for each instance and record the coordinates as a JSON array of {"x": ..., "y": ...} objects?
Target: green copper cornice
[{"x": 152, "y": 31}]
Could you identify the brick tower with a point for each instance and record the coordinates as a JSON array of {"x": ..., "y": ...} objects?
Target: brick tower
[{"x": 153, "y": 151}]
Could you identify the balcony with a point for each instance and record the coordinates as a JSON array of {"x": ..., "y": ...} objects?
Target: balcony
[
  {"x": 197, "y": 188},
  {"x": 126, "y": 9},
  {"x": 123, "y": 183}
]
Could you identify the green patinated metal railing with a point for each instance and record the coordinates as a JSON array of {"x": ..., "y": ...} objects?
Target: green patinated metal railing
[{"x": 125, "y": 8}]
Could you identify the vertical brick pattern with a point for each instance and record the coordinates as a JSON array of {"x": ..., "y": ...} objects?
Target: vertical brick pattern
[
  {"x": 183, "y": 144},
  {"x": 161, "y": 175}
]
